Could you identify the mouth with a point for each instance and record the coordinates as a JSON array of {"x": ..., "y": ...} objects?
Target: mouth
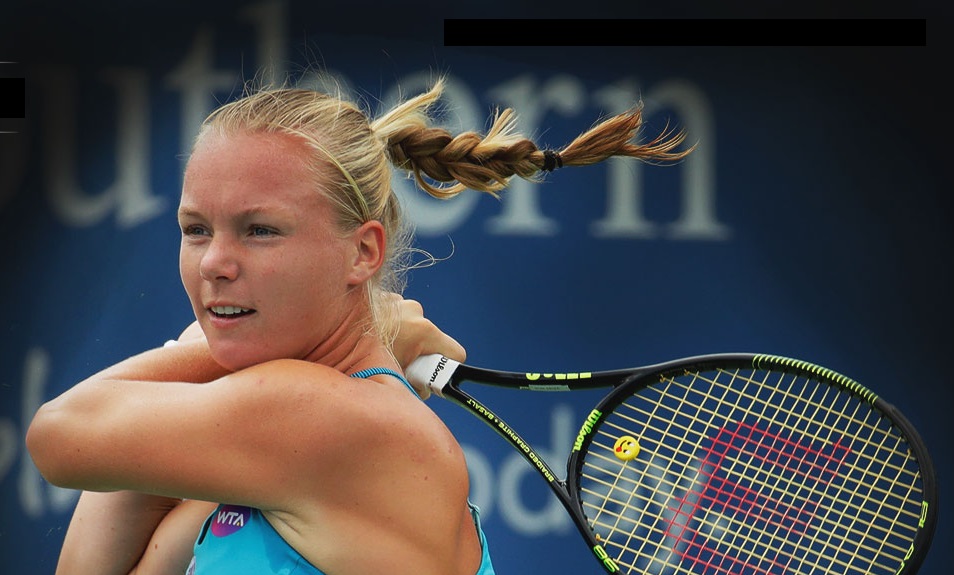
[{"x": 229, "y": 311}]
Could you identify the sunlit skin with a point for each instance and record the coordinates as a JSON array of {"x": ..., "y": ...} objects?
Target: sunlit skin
[
  {"x": 263, "y": 252},
  {"x": 331, "y": 461},
  {"x": 356, "y": 474}
]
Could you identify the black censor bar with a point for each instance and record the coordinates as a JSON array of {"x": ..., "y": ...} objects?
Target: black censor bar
[{"x": 12, "y": 97}]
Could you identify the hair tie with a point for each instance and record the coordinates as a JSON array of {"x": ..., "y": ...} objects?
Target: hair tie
[{"x": 551, "y": 160}]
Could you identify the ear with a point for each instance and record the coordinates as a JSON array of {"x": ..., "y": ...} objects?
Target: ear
[{"x": 369, "y": 247}]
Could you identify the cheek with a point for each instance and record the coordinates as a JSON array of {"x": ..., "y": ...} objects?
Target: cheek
[
  {"x": 302, "y": 287},
  {"x": 315, "y": 285},
  {"x": 188, "y": 273}
]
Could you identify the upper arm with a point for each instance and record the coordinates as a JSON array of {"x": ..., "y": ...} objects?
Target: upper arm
[{"x": 245, "y": 438}]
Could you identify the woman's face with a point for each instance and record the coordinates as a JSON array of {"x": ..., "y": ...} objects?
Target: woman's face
[{"x": 260, "y": 259}]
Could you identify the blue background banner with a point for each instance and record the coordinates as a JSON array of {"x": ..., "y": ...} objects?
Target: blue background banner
[{"x": 812, "y": 221}]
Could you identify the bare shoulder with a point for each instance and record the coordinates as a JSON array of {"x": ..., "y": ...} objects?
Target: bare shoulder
[
  {"x": 380, "y": 465},
  {"x": 318, "y": 393},
  {"x": 329, "y": 423}
]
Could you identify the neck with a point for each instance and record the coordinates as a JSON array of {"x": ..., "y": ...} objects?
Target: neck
[{"x": 353, "y": 345}]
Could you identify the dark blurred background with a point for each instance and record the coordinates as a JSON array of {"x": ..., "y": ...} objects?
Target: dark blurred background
[{"x": 813, "y": 220}]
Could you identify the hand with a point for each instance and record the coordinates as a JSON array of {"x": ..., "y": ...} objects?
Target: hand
[
  {"x": 193, "y": 331},
  {"x": 418, "y": 336}
]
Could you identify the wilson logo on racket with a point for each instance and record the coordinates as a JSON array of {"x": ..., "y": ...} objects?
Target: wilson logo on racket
[
  {"x": 907, "y": 557},
  {"x": 591, "y": 420},
  {"x": 605, "y": 559},
  {"x": 581, "y": 375},
  {"x": 439, "y": 368}
]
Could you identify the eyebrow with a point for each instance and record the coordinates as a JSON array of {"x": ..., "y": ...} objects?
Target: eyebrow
[{"x": 248, "y": 213}]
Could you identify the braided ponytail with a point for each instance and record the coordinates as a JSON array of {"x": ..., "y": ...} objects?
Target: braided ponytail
[{"x": 487, "y": 163}]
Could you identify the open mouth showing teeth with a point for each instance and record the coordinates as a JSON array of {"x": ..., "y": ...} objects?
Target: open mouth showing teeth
[{"x": 230, "y": 311}]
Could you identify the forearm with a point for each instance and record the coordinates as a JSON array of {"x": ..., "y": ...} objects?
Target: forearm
[
  {"x": 109, "y": 532},
  {"x": 188, "y": 361},
  {"x": 104, "y": 397},
  {"x": 123, "y": 533}
]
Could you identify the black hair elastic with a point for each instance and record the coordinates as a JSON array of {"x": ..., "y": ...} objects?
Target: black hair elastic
[{"x": 551, "y": 161}]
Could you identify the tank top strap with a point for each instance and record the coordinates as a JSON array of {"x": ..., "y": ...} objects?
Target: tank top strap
[{"x": 364, "y": 373}]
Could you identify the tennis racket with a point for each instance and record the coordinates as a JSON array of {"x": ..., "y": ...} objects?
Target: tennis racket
[{"x": 729, "y": 464}]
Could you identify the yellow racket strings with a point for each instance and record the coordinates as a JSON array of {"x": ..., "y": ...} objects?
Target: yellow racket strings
[{"x": 751, "y": 471}]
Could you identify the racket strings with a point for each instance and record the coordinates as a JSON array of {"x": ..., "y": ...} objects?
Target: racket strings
[
  {"x": 820, "y": 466},
  {"x": 627, "y": 523},
  {"x": 620, "y": 516},
  {"x": 794, "y": 479},
  {"x": 875, "y": 450},
  {"x": 780, "y": 477},
  {"x": 875, "y": 489},
  {"x": 829, "y": 521}
]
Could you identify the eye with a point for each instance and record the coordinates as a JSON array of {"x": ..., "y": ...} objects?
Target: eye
[
  {"x": 194, "y": 230},
  {"x": 261, "y": 231}
]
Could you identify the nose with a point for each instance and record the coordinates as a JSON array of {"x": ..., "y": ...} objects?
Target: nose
[{"x": 219, "y": 260}]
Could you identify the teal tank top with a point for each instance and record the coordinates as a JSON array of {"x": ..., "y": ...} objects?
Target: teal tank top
[{"x": 239, "y": 540}]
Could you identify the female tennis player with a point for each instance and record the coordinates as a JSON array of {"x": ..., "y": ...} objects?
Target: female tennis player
[{"x": 279, "y": 434}]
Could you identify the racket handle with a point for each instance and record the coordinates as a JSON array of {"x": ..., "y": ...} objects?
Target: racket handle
[{"x": 431, "y": 371}]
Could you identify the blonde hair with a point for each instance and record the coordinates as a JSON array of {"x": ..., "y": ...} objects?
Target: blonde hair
[{"x": 361, "y": 152}]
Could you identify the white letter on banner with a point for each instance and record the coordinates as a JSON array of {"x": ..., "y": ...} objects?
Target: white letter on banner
[
  {"x": 198, "y": 81},
  {"x": 136, "y": 202},
  {"x": 624, "y": 206},
  {"x": 130, "y": 194},
  {"x": 624, "y": 211},
  {"x": 698, "y": 219},
  {"x": 269, "y": 19},
  {"x": 36, "y": 369},
  {"x": 565, "y": 94},
  {"x": 330, "y": 81}
]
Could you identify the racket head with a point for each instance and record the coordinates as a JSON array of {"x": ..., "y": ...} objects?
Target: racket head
[{"x": 733, "y": 464}]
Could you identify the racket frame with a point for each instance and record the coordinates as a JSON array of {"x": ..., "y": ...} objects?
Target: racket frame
[{"x": 444, "y": 377}]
